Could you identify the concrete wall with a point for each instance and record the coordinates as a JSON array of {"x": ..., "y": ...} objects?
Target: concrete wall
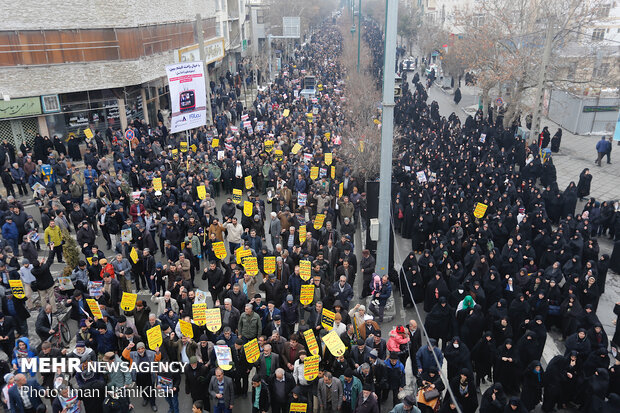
[
  {"x": 42, "y": 80},
  {"x": 72, "y": 14}
]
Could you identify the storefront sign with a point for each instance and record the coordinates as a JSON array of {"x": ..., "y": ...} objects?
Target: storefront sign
[
  {"x": 214, "y": 50},
  {"x": 20, "y": 107}
]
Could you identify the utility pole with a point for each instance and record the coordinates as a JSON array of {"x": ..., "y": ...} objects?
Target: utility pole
[
  {"x": 387, "y": 136},
  {"x": 542, "y": 76},
  {"x": 359, "y": 33},
  {"x": 269, "y": 56},
  {"x": 200, "y": 38}
]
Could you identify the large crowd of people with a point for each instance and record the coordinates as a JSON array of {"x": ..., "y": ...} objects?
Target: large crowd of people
[{"x": 491, "y": 287}]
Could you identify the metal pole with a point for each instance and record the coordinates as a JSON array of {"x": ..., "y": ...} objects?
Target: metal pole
[
  {"x": 201, "y": 47},
  {"x": 387, "y": 135},
  {"x": 359, "y": 33},
  {"x": 542, "y": 75},
  {"x": 269, "y": 56}
]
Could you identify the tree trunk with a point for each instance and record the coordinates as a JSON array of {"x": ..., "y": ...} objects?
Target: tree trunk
[{"x": 485, "y": 102}]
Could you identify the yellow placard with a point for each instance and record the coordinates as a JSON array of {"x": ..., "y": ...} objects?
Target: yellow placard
[
  {"x": 154, "y": 337},
  {"x": 250, "y": 264},
  {"x": 268, "y": 146},
  {"x": 279, "y": 154},
  {"x": 94, "y": 308},
  {"x": 362, "y": 146},
  {"x": 248, "y": 207},
  {"x": 340, "y": 189},
  {"x": 327, "y": 319},
  {"x": 319, "y": 220},
  {"x": 215, "y": 142},
  {"x": 214, "y": 319},
  {"x": 17, "y": 289},
  {"x": 199, "y": 313},
  {"x": 241, "y": 253},
  {"x": 183, "y": 146},
  {"x": 128, "y": 302},
  {"x": 248, "y": 182},
  {"x": 311, "y": 367},
  {"x": 328, "y": 135},
  {"x": 134, "y": 255},
  {"x": 174, "y": 152},
  {"x": 269, "y": 265},
  {"x": 219, "y": 249},
  {"x": 302, "y": 233},
  {"x": 236, "y": 196},
  {"x": 157, "y": 184},
  {"x": 307, "y": 294},
  {"x": 252, "y": 352},
  {"x": 88, "y": 133},
  {"x": 320, "y": 87},
  {"x": 286, "y": 113},
  {"x": 309, "y": 117},
  {"x": 186, "y": 328},
  {"x": 89, "y": 260},
  {"x": 298, "y": 408},
  {"x": 194, "y": 148},
  {"x": 295, "y": 149},
  {"x": 332, "y": 172},
  {"x": 313, "y": 346},
  {"x": 334, "y": 343},
  {"x": 202, "y": 191},
  {"x": 480, "y": 210},
  {"x": 305, "y": 269},
  {"x": 328, "y": 158},
  {"x": 314, "y": 173}
]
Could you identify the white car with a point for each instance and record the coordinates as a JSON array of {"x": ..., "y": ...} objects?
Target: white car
[{"x": 408, "y": 65}]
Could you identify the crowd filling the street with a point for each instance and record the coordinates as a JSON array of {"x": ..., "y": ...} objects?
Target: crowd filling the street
[{"x": 231, "y": 250}]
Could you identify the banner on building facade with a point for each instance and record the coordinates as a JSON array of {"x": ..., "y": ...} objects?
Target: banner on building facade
[{"x": 188, "y": 96}]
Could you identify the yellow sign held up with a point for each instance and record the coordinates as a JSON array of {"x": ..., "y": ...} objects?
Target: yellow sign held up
[
  {"x": 305, "y": 269},
  {"x": 94, "y": 308},
  {"x": 157, "y": 184},
  {"x": 313, "y": 346},
  {"x": 213, "y": 319},
  {"x": 134, "y": 255},
  {"x": 328, "y": 158},
  {"x": 17, "y": 289},
  {"x": 334, "y": 343},
  {"x": 333, "y": 172},
  {"x": 186, "y": 328},
  {"x": 252, "y": 352},
  {"x": 241, "y": 253},
  {"x": 268, "y": 146},
  {"x": 202, "y": 191},
  {"x": 88, "y": 133},
  {"x": 236, "y": 195},
  {"x": 183, "y": 146},
  {"x": 318, "y": 221},
  {"x": 307, "y": 294},
  {"x": 199, "y": 312},
  {"x": 250, "y": 264},
  {"x": 298, "y": 408},
  {"x": 219, "y": 249},
  {"x": 248, "y": 207},
  {"x": 295, "y": 148},
  {"x": 215, "y": 143},
  {"x": 480, "y": 210},
  {"x": 286, "y": 113},
  {"x": 302, "y": 233},
  {"x": 314, "y": 173},
  {"x": 248, "y": 182},
  {"x": 327, "y": 319},
  {"x": 128, "y": 302},
  {"x": 340, "y": 189},
  {"x": 311, "y": 367},
  {"x": 269, "y": 265},
  {"x": 154, "y": 338}
]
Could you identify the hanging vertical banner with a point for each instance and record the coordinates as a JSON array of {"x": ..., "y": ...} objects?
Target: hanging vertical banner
[
  {"x": 305, "y": 269},
  {"x": 302, "y": 233},
  {"x": 236, "y": 196},
  {"x": 188, "y": 96},
  {"x": 269, "y": 265}
]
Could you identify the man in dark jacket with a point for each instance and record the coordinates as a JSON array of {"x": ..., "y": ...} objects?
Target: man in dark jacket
[
  {"x": 195, "y": 379},
  {"x": 260, "y": 395},
  {"x": 44, "y": 323},
  {"x": 45, "y": 281},
  {"x": 281, "y": 384},
  {"x": 7, "y": 333}
]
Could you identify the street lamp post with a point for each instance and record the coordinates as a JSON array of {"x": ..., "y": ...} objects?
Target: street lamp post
[{"x": 359, "y": 33}]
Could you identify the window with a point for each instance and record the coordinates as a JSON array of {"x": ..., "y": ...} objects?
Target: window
[
  {"x": 598, "y": 35},
  {"x": 601, "y": 71},
  {"x": 51, "y": 103},
  {"x": 604, "y": 10},
  {"x": 260, "y": 17}
]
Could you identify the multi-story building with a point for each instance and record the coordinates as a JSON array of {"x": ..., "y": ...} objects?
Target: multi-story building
[{"x": 66, "y": 65}]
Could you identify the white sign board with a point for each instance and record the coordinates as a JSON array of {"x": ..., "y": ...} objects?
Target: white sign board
[
  {"x": 188, "y": 96},
  {"x": 214, "y": 51},
  {"x": 290, "y": 27}
]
